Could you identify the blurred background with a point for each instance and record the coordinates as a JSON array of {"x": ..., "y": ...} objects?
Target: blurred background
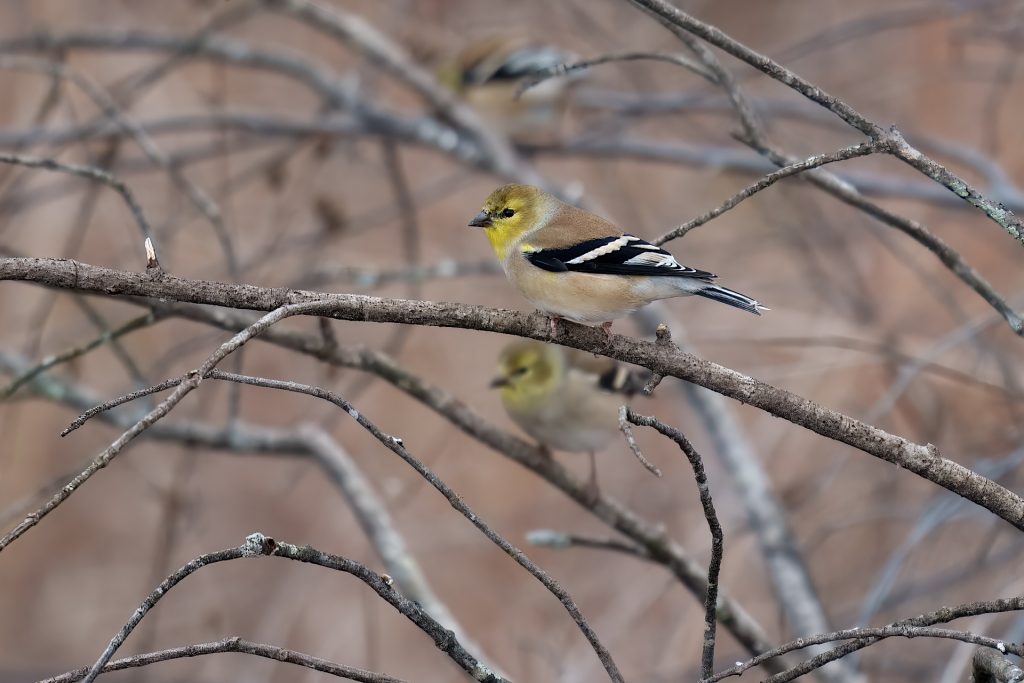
[{"x": 277, "y": 153}]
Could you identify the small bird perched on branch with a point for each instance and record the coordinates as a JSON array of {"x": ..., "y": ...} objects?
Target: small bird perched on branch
[
  {"x": 573, "y": 264},
  {"x": 567, "y": 400},
  {"x": 488, "y": 74}
]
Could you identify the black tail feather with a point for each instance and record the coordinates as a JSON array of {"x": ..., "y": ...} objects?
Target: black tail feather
[{"x": 728, "y": 296}]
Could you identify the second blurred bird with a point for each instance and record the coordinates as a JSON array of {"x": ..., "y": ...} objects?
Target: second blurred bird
[
  {"x": 487, "y": 74},
  {"x": 567, "y": 400}
]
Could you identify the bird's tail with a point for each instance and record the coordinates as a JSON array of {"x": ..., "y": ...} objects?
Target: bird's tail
[{"x": 728, "y": 296}]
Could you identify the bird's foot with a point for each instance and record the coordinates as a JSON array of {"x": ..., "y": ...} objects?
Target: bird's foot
[
  {"x": 606, "y": 327},
  {"x": 554, "y": 322}
]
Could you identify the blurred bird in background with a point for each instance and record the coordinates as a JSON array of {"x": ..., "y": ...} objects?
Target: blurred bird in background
[
  {"x": 567, "y": 400},
  {"x": 489, "y": 72},
  {"x": 573, "y": 264}
]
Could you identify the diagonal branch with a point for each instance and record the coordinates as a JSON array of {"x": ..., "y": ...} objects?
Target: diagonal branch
[
  {"x": 921, "y": 459},
  {"x": 190, "y": 382},
  {"x": 898, "y": 147}
]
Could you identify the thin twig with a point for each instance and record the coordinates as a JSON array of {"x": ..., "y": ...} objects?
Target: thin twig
[
  {"x": 90, "y": 172},
  {"x": 237, "y": 645},
  {"x": 875, "y": 634},
  {"x": 898, "y": 147},
  {"x": 144, "y": 320},
  {"x": 558, "y": 540},
  {"x": 565, "y": 69},
  {"x": 717, "y": 536},
  {"x": 191, "y": 381},
  {"x": 257, "y": 545},
  {"x": 396, "y": 446},
  {"x": 627, "y": 432},
  {"x": 941, "y": 616},
  {"x": 851, "y": 152}
]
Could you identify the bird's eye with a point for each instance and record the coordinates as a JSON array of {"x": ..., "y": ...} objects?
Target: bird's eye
[
  {"x": 508, "y": 213},
  {"x": 520, "y": 371}
]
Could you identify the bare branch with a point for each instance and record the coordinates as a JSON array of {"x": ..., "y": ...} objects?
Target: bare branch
[
  {"x": 91, "y": 173},
  {"x": 898, "y": 146},
  {"x": 941, "y": 616},
  {"x": 566, "y": 69},
  {"x": 257, "y": 545},
  {"x": 717, "y": 536},
  {"x": 989, "y": 666},
  {"x": 396, "y": 446},
  {"x": 852, "y": 152},
  {"x": 627, "y": 432},
  {"x": 234, "y": 644},
  {"x": 923, "y": 460},
  {"x": 876, "y": 635},
  {"x": 191, "y": 381},
  {"x": 138, "y": 323}
]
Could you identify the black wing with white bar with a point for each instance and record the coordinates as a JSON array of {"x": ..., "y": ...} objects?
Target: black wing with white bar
[{"x": 624, "y": 255}]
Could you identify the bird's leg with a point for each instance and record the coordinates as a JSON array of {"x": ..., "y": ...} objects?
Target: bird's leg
[
  {"x": 607, "y": 327},
  {"x": 592, "y": 492}
]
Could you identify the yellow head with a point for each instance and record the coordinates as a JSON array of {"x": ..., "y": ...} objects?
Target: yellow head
[
  {"x": 528, "y": 372},
  {"x": 510, "y": 212}
]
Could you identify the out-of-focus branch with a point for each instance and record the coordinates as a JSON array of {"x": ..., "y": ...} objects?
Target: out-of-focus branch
[
  {"x": 163, "y": 408},
  {"x": 152, "y": 151},
  {"x": 90, "y": 172},
  {"x": 898, "y": 147},
  {"x": 921, "y": 459},
  {"x": 236, "y": 645},
  {"x": 137, "y": 323},
  {"x": 358, "y": 34}
]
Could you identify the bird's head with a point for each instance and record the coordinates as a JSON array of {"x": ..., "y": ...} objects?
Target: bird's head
[
  {"x": 528, "y": 371},
  {"x": 510, "y": 212}
]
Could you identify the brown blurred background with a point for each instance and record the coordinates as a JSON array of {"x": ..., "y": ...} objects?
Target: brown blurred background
[{"x": 863, "y": 320}]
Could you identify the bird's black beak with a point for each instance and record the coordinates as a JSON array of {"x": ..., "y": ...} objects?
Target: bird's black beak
[
  {"x": 481, "y": 220},
  {"x": 498, "y": 382}
]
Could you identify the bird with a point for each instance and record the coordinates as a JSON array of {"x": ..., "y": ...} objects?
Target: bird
[
  {"x": 489, "y": 74},
  {"x": 567, "y": 400},
  {"x": 575, "y": 265}
]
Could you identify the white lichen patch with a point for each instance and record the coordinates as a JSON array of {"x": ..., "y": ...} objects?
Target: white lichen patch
[{"x": 254, "y": 544}]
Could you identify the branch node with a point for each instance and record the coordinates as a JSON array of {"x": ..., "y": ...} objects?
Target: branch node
[
  {"x": 152, "y": 262},
  {"x": 257, "y": 544},
  {"x": 627, "y": 432}
]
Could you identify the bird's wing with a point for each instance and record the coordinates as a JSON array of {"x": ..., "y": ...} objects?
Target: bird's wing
[
  {"x": 607, "y": 374},
  {"x": 613, "y": 255}
]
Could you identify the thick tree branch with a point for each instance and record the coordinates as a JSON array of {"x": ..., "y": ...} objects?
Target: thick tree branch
[{"x": 923, "y": 460}]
